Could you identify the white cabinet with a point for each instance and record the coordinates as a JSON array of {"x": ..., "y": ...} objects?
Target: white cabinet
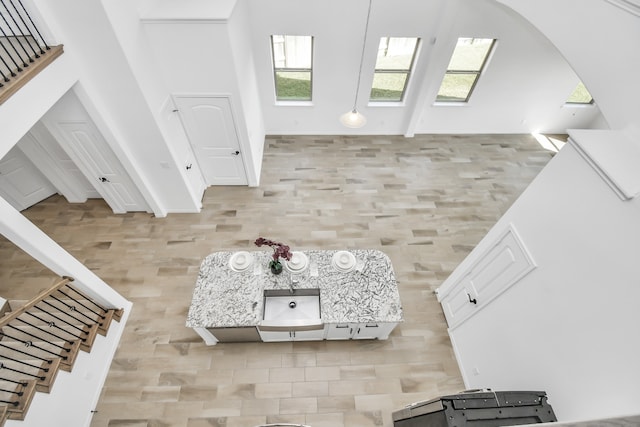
[
  {"x": 273, "y": 336},
  {"x": 312, "y": 335},
  {"x": 360, "y": 331},
  {"x": 339, "y": 331},
  {"x": 235, "y": 334},
  {"x": 291, "y": 335}
]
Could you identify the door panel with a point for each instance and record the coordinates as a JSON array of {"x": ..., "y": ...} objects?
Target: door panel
[
  {"x": 53, "y": 162},
  {"x": 209, "y": 125},
  {"x": 21, "y": 181},
  {"x": 495, "y": 270},
  {"x": 93, "y": 156}
]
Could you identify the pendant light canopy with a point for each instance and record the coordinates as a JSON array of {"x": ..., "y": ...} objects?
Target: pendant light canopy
[{"x": 354, "y": 119}]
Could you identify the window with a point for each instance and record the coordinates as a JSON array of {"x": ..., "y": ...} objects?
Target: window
[
  {"x": 580, "y": 95},
  {"x": 292, "y": 67},
  {"x": 393, "y": 67},
  {"x": 467, "y": 62}
]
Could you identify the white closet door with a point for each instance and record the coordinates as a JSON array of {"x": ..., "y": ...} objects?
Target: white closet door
[
  {"x": 88, "y": 149},
  {"x": 21, "y": 183}
]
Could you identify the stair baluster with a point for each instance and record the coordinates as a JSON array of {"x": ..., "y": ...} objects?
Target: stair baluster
[
  {"x": 53, "y": 325},
  {"x": 19, "y": 33},
  {"x": 34, "y": 27},
  {"x": 39, "y": 338},
  {"x": 58, "y": 318},
  {"x": 44, "y": 330},
  {"x": 102, "y": 316},
  {"x": 15, "y": 36},
  {"x": 74, "y": 310},
  {"x": 3, "y": 366},
  {"x": 84, "y": 297},
  {"x": 25, "y": 30},
  {"x": 25, "y": 353}
]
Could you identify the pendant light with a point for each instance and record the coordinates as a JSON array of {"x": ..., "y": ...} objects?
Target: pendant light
[{"x": 354, "y": 119}]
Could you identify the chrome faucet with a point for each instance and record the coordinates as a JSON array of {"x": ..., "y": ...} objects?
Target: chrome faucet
[{"x": 294, "y": 281}]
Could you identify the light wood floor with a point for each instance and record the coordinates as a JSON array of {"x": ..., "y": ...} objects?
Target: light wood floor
[{"x": 425, "y": 201}]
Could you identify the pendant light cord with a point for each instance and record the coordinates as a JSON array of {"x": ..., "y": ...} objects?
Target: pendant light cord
[{"x": 364, "y": 44}]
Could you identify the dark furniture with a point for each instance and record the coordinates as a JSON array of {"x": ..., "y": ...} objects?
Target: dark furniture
[{"x": 480, "y": 408}]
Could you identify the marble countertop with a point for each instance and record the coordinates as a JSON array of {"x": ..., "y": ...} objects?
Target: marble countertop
[{"x": 225, "y": 298}]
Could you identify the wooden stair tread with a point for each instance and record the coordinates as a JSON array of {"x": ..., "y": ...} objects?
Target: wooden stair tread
[
  {"x": 90, "y": 337},
  {"x": 47, "y": 369},
  {"x": 18, "y": 412},
  {"x": 71, "y": 355},
  {"x": 4, "y": 414}
]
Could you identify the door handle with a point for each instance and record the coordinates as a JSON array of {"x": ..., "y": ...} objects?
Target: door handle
[
  {"x": 472, "y": 301},
  {"x": 235, "y": 153},
  {"x": 103, "y": 179}
]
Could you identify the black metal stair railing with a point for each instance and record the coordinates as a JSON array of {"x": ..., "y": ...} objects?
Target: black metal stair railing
[
  {"x": 43, "y": 335},
  {"x": 23, "y": 50},
  {"x": 19, "y": 35},
  {"x": 52, "y": 324}
]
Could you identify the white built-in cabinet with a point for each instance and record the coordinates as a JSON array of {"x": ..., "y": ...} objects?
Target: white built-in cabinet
[
  {"x": 332, "y": 331},
  {"x": 292, "y": 335},
  {"x": 359, "y": 331}
]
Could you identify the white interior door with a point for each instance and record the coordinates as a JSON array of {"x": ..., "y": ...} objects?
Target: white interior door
[
  {"x": 211, "y": 130},
  {"x": 53, "y": 162},
  {"x": 90, "y": 152},
  {"x": 21, "y": 184}
]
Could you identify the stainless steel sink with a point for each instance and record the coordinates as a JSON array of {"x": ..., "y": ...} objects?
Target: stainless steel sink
[{"x": 284, "y": 308}]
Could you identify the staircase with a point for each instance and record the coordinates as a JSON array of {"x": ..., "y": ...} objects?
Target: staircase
[{"x": 42, "y": 336}]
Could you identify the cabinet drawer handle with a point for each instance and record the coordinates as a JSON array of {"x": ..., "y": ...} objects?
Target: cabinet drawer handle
[
  {"x": 371, "y": 326},
  {"x": 342, "y": 326},
  {"x": 472, "y": 301}
]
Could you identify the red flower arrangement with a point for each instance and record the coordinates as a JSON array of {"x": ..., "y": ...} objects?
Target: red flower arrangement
[{"x": 279, "y": 251}]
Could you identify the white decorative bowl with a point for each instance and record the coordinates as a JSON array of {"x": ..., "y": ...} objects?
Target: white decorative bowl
[
  {"x": 240, "y": 261},
  {"x": 343, "y": 261},
  {"x": 298, "y": 262}
]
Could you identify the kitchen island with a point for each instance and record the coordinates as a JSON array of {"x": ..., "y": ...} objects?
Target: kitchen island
[{"x": 228, "y": 305}]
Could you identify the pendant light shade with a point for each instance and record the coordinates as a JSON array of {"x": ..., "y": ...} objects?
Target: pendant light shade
[{"x": 354, "y": 119}]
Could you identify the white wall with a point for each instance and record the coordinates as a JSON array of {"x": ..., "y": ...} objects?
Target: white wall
[
  {"x": 523, "y": 90},
  {"x": 206, "y": 51},
  {"x": 569, "y": 326},
  {"x": 20, "y": 112},
  {"x": 250, "y": 121},
  {"x": 125, "y": 19},
  {"x": 600, "y": 41},
  {"x": 112, "y": 96},
  {"x": 338, "y": 31}
]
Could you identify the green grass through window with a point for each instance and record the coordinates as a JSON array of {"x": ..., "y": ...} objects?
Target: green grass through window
[
  {"x": 295, "y": 87},
  {"x": 580, "y": 95}
]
